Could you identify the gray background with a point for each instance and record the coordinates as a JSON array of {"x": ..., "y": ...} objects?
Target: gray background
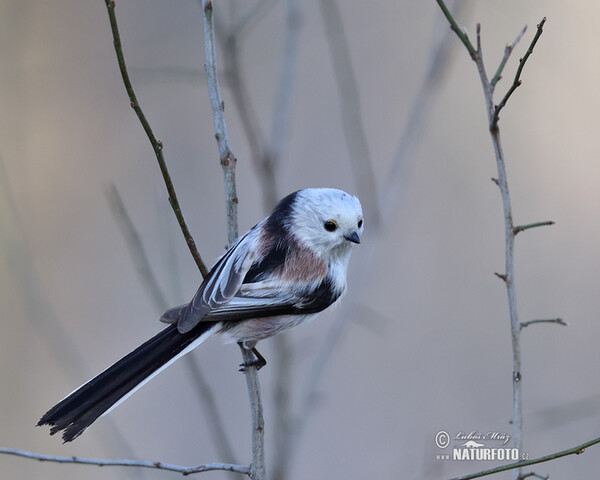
[{"x": 426, "y": 344}]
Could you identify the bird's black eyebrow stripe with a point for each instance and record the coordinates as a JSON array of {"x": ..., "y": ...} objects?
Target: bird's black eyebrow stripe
[{"x": 277, "y": 222}]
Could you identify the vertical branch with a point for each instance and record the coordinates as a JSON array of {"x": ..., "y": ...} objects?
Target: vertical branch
[
  {"x": 511, "y": 292},
  {"x": 266, "y": 153},
  {"x": 502, "y": 181},
  {"x": 228, "y": 160}
]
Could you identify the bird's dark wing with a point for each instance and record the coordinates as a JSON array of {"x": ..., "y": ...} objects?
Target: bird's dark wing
[
  {"x": 267, "y": 299},
  {"x": 220, "y": 285}
]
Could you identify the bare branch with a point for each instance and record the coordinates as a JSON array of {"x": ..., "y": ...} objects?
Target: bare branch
[
  {"x": 579, "y": 449},
  {"x": 157, "y": 145},
  {"x": 128, "y": 463},
  {"x": 462, "y": 35},
  {"x": 228, "y": 160},
  {"x": 509, "y": 229}
]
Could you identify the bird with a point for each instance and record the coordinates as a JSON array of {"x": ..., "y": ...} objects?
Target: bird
[{"x": 282, "y": 272}]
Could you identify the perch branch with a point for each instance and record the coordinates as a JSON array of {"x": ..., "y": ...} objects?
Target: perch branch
[
  {"x": 258, "y": 468},
  {"x": 228, "y": 161},
  {"x": 157, "y": 145},
  {"x": 128, "y": 463}
]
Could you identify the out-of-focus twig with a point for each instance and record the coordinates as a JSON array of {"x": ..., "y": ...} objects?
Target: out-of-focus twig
[
  {"x": 136, "y": 248},
  {"x": 354, "y": 131},
  {"x": 37, "y": 306},
  {"x": 439, "y": 61},
  {"x": 150, "y": 283},
  {"x": 157, "y": 145}
]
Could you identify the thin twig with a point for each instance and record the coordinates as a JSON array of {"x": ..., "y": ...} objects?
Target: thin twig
[
  {"x": 157, "y": 145},
  {"x": 128, "y": 463},
  {"x": 283, "y": 99},
  {"x": 399, "y": 173},
  {"x": 557, "y": 321},
  {"x": 579, "y": 449},
  {"x": 517, "y": 81},
  {"x": 521, "y": 228},
  {"x": 462, "y": 35},
  {"x": 347, "y": 87},
  {"x": 507, "y": 51},
  {"x": 136, "y": 249},
  {"x": 37, "y": 307},
  {"x": 533, "y": 474},
  {"x": 228, "y": 160},
  {"x": 254, "y": 14},
  {"x": 215, "y": 422}
]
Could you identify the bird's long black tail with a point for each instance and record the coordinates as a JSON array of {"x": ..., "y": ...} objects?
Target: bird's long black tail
[{"x": 81, "y": 408}]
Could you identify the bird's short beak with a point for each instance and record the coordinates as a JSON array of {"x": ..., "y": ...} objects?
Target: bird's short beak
[{"x": 353, "y": 237}]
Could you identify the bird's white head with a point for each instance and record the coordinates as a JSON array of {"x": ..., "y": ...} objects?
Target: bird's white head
[{"x": 326, "y": 220}]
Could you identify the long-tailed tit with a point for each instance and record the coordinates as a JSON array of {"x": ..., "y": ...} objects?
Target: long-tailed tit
[{"x": 283, "y": 271}]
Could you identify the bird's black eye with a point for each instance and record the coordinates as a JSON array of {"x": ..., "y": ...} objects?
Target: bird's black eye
[
  {"x": 330, "y": 226},
  {"x": 360, "y": 223}
]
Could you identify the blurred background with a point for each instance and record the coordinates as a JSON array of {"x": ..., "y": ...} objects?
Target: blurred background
[{"x": 376, "y": 98}]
